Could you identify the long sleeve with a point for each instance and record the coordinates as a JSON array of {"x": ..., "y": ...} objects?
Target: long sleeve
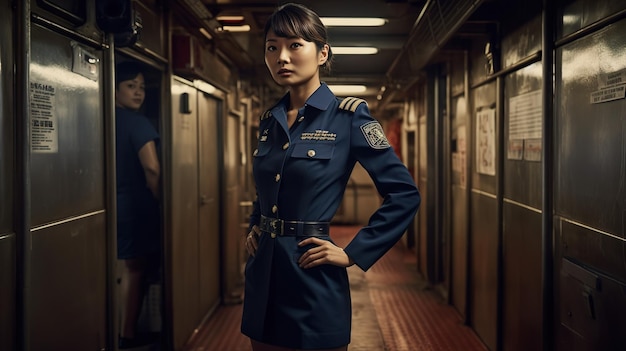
[{"x": 394, "y": 183}]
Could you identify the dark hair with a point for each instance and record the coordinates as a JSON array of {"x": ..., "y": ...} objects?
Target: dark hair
[
  {"x": 295, "y": 20},
  {"x": 126, "y": 71}
]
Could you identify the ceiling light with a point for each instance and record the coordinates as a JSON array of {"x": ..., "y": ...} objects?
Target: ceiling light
[
  {"x": 347, "y": 89},
  {"x": 354, "y": 50},
  {"x": 230, "y": 18},
  {"x": 243, "y": 28},
  {"x": 206, "y": 33},
  {"x": 353, "y": 21}
]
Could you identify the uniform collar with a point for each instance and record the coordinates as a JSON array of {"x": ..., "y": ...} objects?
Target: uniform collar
[{"x": 320, "y": 99}]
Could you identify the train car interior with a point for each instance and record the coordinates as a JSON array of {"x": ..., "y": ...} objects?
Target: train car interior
[{"x": 510, "y": 116}]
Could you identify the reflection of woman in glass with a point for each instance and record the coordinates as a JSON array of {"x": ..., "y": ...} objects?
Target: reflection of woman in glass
[{"x": 138, "y": 171}]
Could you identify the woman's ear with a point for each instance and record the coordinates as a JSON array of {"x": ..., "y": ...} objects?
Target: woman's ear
[{"x": 323, "y": 57}]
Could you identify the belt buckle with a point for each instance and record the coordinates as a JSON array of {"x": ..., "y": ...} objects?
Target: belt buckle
[{"x": 276, "y": 229}]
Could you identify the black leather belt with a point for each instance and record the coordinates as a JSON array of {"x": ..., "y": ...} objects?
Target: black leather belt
[{"x": 276, "y": 226}]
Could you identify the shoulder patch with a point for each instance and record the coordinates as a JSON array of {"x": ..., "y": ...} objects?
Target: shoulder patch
[
  {"x": 351, "y": 103},
  {"x": 375, "y": 136},
  {"x": 266, "y": 114}
]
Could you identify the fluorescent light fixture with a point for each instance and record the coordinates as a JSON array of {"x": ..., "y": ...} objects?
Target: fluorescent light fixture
[
  {"x": 347, "y": 89},
  {"x": 353, "y": 21},
  {"x": 230, "y": 18},
  {"x": 243, "y": 28},
  {"x": 206, "y": 33},
  {"x": 354, "y": 50}
]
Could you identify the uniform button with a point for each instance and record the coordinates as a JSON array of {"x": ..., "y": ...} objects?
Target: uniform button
[
  {"x": 286, "y": 146},
  {"x": 301, "y": 119},
  {"x": 256, "y": 152},
  {"x": 274, "y": 209},
  {"x": 311, "y": 153},
  {"x": 277, "y": 178}
]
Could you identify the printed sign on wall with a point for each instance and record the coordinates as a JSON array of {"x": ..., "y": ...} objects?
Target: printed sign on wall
[
  {"x": 486, "y": 141},
  {"x": 44, "y": 129}
]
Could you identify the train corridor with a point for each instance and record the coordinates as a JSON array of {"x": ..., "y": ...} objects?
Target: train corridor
[{"x": 393, "y": 310}]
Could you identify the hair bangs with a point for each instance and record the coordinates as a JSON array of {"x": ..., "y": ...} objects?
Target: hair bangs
[{"x": 289, "y": 23}]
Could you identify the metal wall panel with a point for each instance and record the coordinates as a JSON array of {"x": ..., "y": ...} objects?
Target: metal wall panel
[
  {"x": 484, "y": 241},
  {"x": 522, "y": 34},
  {"x": 589, "y": 171},
  {"x": 65, "y": 294},
  {"x": 459, "y": 187},
  {"x": 184, "y": 204},
  {"x": 590, "y": 303},
  {"x": 522, "y": 136},
  {"x": 8, "y": 263},
  {"x": 578, "y": 14},
  {"x": 67, "y": 167},
  {"x": 522, "y": 317},
  {"x": 523, "y": 195},
  {"x": 7, "y": 127},
  {"x": 152, "y": 35},
  {"x": 209, "y": 111},
  {"x": 77, "y": 15},
  {"x": 485, "y": 228},
  {"x": 68, "y": 285},
  {"x": 8, "y": 300},
  {"x": 589, "y": 189},
  {"x": 235, "y": 227}
]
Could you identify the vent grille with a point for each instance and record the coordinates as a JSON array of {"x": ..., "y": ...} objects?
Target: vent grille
[{"x": 438, "y": 21}]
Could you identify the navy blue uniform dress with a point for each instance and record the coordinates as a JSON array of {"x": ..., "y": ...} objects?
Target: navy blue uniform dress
[
  {"x": 301, "y": 174},
  {"x": 138, "y": 220}
]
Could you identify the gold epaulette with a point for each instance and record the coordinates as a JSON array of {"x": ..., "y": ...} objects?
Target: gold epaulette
[
  {"x": 351, "y": 103},
  {"x": 266, "y": 114}
]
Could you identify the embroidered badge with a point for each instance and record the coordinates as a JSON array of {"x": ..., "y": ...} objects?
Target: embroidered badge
[
  {"x": 373, "y": 133},
  {"x": 319, "y": 135}
]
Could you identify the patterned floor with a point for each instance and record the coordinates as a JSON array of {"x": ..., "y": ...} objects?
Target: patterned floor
[{"x": 393, "y": 310}]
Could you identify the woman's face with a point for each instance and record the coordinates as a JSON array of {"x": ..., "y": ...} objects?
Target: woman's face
[
  {"x": 293, "y": 61},
  {"x": 131, "y": 93}
]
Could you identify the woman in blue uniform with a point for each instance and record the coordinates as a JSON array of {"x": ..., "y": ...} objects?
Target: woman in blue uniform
[
  {"x": 297, "y": 293},
  {"x": 138, "y": 171}
]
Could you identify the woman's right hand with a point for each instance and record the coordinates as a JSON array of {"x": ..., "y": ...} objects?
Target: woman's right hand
[{"x": 252, "y": 240}]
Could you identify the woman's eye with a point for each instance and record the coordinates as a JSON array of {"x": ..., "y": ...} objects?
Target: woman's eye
[
  {"x": 270, "y": 48},
  {"x": 296, "y": 45}
]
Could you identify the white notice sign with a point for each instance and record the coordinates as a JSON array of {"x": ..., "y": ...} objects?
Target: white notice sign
[
  {"x": 486, "y": 141},
  {"x": 608, "y": 94},
  {"x": 44, "y": 129}
]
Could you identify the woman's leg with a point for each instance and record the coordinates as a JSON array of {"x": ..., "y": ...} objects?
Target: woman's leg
[{"x": 132, "y": 293}]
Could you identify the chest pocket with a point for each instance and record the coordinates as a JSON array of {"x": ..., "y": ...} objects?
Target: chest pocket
[{"x": 313, "y": 151}]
